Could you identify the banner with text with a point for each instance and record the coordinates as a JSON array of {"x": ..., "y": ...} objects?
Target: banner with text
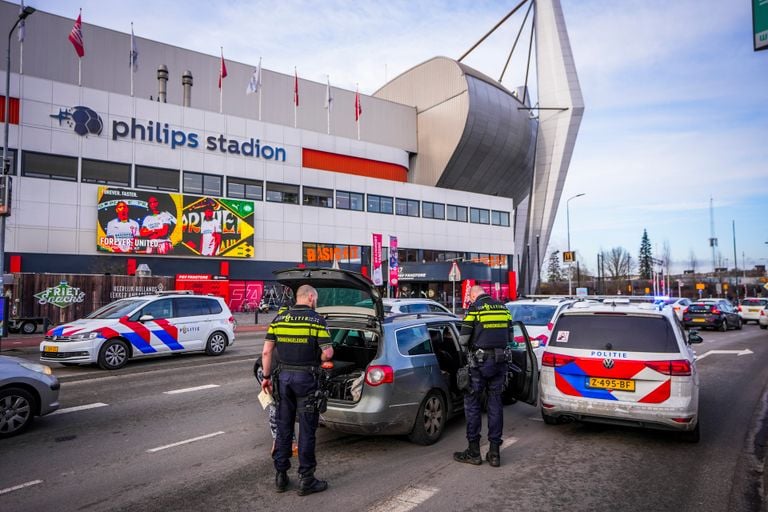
[
  {"x": 393, "y": 266},
  {"x": 378, "y": 277}
]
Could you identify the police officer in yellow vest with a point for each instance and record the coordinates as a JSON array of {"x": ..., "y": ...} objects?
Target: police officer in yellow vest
[
  {"x": 301, "y": 338},
  {"x": 485, "y": 333}
]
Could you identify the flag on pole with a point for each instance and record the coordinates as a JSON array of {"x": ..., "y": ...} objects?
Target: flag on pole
[
  {"x": 358, "y": 106},
  {"x": 133, "y": 59},
  {"x": 76, "y": 36},
  {"x": 295, "y": 88},
  {"x": 22, "y": 23},
  {"x": 222, "y": 69},
  {"x": 328, "y": 97},
  {"x": 254, "y": 84}
]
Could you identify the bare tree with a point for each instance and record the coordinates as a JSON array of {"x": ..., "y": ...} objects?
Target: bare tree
[
  {"x": 692, "y": 261},
  {"x": 617, "y": 263},
  {"x": 666, "y": 255}
]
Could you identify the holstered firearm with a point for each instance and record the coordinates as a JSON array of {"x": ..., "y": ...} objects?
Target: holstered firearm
[{"x": 317, "y": 402}]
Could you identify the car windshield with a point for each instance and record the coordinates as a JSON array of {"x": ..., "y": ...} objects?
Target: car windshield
[
  {"x": 754, "y": 302},
  {"x": 117, "y": 309},
  {"x": 532, "y": 314},
  {"x": 623, "y": 333}
]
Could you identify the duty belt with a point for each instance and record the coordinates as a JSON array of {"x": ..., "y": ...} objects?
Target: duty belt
[
  {"x": 297, "y": 368},
  {"x": 484, "y": 354}
]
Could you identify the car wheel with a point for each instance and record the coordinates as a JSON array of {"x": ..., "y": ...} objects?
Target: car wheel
[
  {"x": 430, "y": 421},
  {"x": 692, "y": 436},
  {"x": 17, "y": 410},
  {"x": 217, "y": 344},
  {"x": 764, "y": 326},
  {"x": 724, "y": 325},
  {"x": 113, "y": 355},
  {"x": 28, "y": 328},
  {"x": 549, "y": 420}
]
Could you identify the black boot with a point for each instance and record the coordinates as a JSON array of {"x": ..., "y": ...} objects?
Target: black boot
[
  {"x": 309, "y": 484},
  {"x": 493, "y": 456},
  {"x": 281, "y": 481},
  {"x": 471, "y": 455}
]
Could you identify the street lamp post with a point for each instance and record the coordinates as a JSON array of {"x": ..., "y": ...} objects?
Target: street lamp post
[
  {"x": 6, "y": 112},
  {"x": 568, "y": 221}
]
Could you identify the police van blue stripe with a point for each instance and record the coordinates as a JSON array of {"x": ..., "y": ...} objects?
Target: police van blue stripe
[{"x": 168, "y": 340}]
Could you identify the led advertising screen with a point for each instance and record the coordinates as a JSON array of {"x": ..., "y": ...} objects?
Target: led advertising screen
[{"x": 150, "y": 222}]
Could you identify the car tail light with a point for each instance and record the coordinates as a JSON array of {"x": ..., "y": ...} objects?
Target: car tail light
[
  {"x": 231, "y": 320},
  {"x": 382, "y": 374},
  {"x": 714, "y": 310},
  {"x": 552, "y": 359},
  {"x": 675, "y": 368},
  {"x": 683, "y": 420},
  {"x": 762, "y": 312},
  {"x": 686, "y": 311},
  {"x": 739, "y": 309}
]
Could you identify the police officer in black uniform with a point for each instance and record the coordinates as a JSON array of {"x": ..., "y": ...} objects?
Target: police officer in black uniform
[
  {"x": 485, "y": 332},
  {"x": 302, "y": 341}
]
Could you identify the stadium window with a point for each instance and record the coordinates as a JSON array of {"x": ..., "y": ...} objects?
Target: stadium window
[
  {"x": 479, "y": 216},
  {"x": 407, "y": 207},
  {"x": 240, "y": 188},
  {"x": 321, "y": 197},
  {"x": 349, "y": 201},
  {"x": 282, "y": 193},
  {"x": 202, "y": 184},
  {"x": 380, "y": 204},
  {"x": 52, "y": 167},
  {"x": 500, "y": 218},
  {"x": 457, "y": 213},
  {"x": 156, "y": 178},
  {"x": 433, "y": 210},
  {"x": 105, "y": 173}
]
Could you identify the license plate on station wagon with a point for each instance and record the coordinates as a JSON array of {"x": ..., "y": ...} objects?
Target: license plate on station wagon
[
  {"x": 611, "y": 384},
  {"x": 50, "y": 349},
  {"x": 700, "y": 320}
]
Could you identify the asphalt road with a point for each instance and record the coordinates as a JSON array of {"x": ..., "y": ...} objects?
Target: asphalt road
[{"x": 187, "y": 433}]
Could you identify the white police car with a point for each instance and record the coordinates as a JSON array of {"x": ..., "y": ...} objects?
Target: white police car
[
  {"x": 621, "y": 363},
  {"x": 169, "y": 322}
]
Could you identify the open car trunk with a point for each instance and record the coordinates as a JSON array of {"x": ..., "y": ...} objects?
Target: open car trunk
[{"x": 353, "y": 350}]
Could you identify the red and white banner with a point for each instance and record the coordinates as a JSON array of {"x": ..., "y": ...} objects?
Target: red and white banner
[
  {"x": 295, "y": 88},
  {"x": 393, "y": 265},
  {"x": 358, "y": 106},
  {"x": 76, "y": 36},
  {"x": 466, "y": 286},
  {"x": 378, "y": 278}
]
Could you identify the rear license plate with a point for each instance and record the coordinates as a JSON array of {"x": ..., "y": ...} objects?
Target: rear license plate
[
  {"x": 50, "y": 349},
  {"x": 754, "y": 310},
  {"x": 612, "y": 384},
  {"x": 700, "y": 320}
]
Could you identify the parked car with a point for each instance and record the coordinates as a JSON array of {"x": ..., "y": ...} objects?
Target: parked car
[
  {"x": 26, "y": 390},
  {"x": 712, "y": 314},
  {"x": 165, "y": 323},
  {"x": 621, "y": 363},
  {"x": 538, "y": 316},
  {"x": 395, "y": 375},
  {"x": 678, "y": 304},
  {"x": 750, "y": 309},
  {"x": 763, "y": 320},
  {"x": 399, "y": 306}
]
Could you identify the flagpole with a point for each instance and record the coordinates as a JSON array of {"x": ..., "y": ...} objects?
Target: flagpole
[
  {"x": 295, "y": 94},
  {"x": 221, "y": 84},
  {"x": 258, "y": 78},
  {"x": 357, "y": 109},
  {"x": 21, "y": 58},
  {"x": 130, "y": 60},
  {"x": 79, "y": 71},
  {"x": 328, "y": 100}
]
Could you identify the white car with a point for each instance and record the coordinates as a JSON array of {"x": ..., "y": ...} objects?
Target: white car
[
  {"x": 750, "y": 309},
  {"x": 678, "y": 304},
  {"x": 400, "y": 306},
  {"x": 763, "y": 321},
  {"x": 621, "y": 363},
  {"x": 166, "y": 323},
  {"x": 538, "y": 316}
]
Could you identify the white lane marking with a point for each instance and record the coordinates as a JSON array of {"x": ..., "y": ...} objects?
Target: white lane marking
[
  {"x": 186, "y": 441},
  {"x": 536, "y": 418},
  {"x": 80, "y": 408},
  {"x": 187, "y": 390},
  {"x": 739, "y": 353},
  {"x": 20, "y": 486},
  {"x": 504, "y": 444},
  {"x": 407, "y": 500}
]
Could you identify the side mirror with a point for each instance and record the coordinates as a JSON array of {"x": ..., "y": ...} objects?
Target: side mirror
[
  {"x": 146, "y": 318},
  {"x": 693, "y": 337}
]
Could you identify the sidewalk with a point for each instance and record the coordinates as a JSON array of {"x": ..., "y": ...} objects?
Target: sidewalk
[{"x": 245, "y": 323}]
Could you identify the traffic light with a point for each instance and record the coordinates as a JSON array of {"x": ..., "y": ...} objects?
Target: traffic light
[{"x": 5, "y": 195}]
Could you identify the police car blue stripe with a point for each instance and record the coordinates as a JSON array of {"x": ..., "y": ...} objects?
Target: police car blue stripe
[
  {"x": 575, "y": 376},
  {"x": 169, "y": 340},
  {"x": 138, "y": 342},
  {"x": 59, "y": 331}
]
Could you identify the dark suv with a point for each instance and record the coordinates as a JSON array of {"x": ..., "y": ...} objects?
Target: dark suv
[
  {"x": 396, "y": 375},
  {"x": 712, "y": 314}
]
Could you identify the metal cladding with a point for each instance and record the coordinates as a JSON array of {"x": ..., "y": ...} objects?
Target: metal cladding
[{"x": 473, "y": 134}]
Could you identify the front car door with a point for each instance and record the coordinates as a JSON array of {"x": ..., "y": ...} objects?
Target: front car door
[{"x": 522, "y": 385}]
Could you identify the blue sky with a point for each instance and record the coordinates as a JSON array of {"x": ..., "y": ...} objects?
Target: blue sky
[{"x": 676, "y": 100}]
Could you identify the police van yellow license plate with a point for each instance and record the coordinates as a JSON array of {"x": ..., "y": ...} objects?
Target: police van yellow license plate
[
  {"x": 49, "y": 348},
  {"x": 611, "y": 384}
]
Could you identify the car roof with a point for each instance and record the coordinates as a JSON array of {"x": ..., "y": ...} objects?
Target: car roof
[
  {"x": 403, "y": 300},
  {"x": 173, "y": 294},
  {"x": 617, "y": 306},
  {"x": 548, "y": 301}
]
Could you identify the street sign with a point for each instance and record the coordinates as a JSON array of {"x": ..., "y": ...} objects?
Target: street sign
[
  {"x": 569, "y": 256},
  {"x": 700, "y": 286},
  {"x": 455, "y": 274},
  {"x": 765, "y": 286}
]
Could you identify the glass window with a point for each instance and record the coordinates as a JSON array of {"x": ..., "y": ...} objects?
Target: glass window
[
  {"x": 321, "y": 197},
  {"x": 380, "y": 204},
  {"x": 106, "y": 173},
  {"x": 156, "y": 178},
  {"x": 532, "y": 314},
  {"x": 158, "y": 309},
  {"x": 202, "y": 184},
  {"x": 500, "y": 218},
  {"x": 414, "y": 341},
  {"x": 603, "y": 332},
  {"x": 195, "y": 306},
  {"x": 457, "y": 213},
  {"x": 349, "y": 201},
  {"x": 54, "y": 167},
  {"x": 433, "y": 210},
  {"x": 12, "y": 157},
  {"x": 240, "y": 188},
  {"x": 408, "y": 207},
  {"x": 282, "y": 193},
  {"x": 479, "y": 216}
]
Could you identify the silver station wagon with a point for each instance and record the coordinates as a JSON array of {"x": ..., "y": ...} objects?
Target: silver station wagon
[{"x": 396, "y": 375}]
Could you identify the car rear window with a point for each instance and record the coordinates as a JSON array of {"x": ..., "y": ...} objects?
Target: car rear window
[
  {"x": 615, "y": 332},
  {"x": 754, "y": 302},
  {"x": 700, "y": 308},
  {"x": 532, "y": 314}
]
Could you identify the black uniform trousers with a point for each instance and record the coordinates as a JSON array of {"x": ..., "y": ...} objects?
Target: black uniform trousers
[
  {"x": 294, "y": 386},
  {"x": 488, "y": 376}
]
